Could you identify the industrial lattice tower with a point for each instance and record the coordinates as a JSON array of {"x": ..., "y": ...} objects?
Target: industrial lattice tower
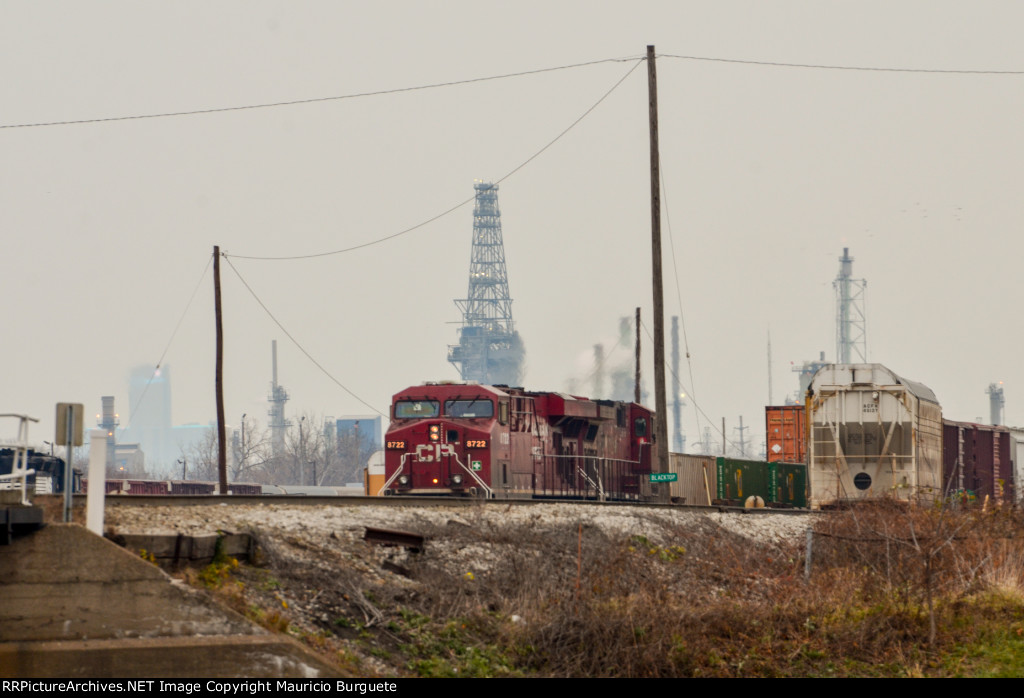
[
  {"x": 489, "y": 349},
  {"x": 851, "y": 325}
]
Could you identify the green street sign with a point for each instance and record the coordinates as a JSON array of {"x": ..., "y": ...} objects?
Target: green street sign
[{"x": 664, "y": 477}]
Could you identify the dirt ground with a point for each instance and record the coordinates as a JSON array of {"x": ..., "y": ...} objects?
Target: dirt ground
[{"x": 486, "y": 572}]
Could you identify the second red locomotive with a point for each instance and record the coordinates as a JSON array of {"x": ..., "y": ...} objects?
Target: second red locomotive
[{"x": 502, "y": 442}]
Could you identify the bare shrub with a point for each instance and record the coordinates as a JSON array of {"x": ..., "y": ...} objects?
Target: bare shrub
[
  {"x": 913, "y": 557},
  {"x": 591, "y": 603}
]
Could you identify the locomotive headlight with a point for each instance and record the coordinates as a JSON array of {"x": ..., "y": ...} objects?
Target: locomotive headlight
[
  {"x": 403, "y": 479},
  {"x": 435, "y": 432},
  {"x": 457, "y": 479}
]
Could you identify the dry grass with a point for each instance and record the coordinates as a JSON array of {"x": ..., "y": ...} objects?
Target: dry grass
[{"x": 894, "y": 591}]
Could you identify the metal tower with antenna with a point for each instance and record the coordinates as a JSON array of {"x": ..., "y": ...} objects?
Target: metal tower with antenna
[
  {"x": 278, "y": 397},
  {"x": 706, "y": 446},
  {"x": 851, "y": 327},
  {"x": 489, "y": 350},
  {"x": 743, "y": 439}
]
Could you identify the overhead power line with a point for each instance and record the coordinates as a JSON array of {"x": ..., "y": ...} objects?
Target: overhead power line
[
  {"x": 679, "y": 298},
  {"x": 313, "y": 100},
  {"x": 822, "y": 66},
  {"x": 465, "y": 202},
  {"x": 467, "y": 81},
  {"x": 296, "y": 342},
  {"x": 160, "y": 361},
  {"x": 693, "y": 400}
]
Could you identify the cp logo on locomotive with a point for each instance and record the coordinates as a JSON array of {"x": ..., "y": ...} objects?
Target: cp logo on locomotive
[{"x": 428, "y": 453}]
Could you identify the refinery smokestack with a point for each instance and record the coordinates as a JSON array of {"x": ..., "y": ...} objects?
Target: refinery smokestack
[{"x": 851, "y": 325}]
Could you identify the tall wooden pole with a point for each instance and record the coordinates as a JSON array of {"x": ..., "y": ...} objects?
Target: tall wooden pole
[
  {"x": 661, "y": 406},
  {"x": 222, "y": 451}
]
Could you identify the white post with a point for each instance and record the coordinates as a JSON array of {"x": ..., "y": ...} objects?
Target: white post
[{"x": 97, "y": 481}]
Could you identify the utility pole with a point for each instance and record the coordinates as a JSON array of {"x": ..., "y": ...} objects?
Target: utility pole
[
  {"x": 661, "y": 405},
  {"x": 222, "y": 450}
]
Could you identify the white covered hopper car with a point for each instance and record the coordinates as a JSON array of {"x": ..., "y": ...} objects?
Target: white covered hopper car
[{"x": 872, "y": 433}]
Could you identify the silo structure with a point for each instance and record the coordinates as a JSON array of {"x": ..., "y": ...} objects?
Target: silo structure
[{"x": 873, "y": 434}]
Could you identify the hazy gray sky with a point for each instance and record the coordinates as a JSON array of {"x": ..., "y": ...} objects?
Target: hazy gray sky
[{"x": 769, "y": 172}]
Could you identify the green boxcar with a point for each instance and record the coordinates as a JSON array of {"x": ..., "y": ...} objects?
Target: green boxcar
[
  {"x": 788, "y": 484},
  {"x": 739, "y": 479},
  {"x": 779, "y": 484}
]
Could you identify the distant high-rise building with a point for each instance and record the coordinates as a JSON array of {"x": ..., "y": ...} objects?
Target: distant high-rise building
[
  {"x": 149, "y": 397},
  {"x": 368, "y": 430},
  {"x": 149, "y": 414}
]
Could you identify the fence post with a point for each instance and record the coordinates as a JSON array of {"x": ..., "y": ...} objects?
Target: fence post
[{"x": 807, "y": 556}]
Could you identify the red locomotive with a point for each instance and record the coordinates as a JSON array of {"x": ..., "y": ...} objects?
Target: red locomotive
[{"x": 500, "y": 442}]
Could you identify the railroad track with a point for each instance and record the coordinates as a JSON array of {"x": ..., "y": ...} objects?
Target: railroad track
[{"x": 422, "y": 502}]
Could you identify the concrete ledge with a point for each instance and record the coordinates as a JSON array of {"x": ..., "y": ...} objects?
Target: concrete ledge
[
  {"x": 174, "y": 549},
  {"x": 73, "y": 604},
  {"x": 66, "y": 583},
  {"x": 255, "y": 656}
]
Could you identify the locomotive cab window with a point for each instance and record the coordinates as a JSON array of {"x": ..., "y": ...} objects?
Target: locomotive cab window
[
  {"x": 417, "y": 409},
  {"x": 469, "y": 409},
  {"x": 640, "y": 427},
  {"x": 503, "y": 412}
]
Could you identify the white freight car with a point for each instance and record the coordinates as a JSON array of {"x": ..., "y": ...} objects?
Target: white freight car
[{"x": 873, "y": 434}]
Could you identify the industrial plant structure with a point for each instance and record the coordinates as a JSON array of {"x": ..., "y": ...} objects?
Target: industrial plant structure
[
  {"x": 851, "y": 320},
  {"x": 278, "y": 398},
  {"x": 489, "y": 351}
]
